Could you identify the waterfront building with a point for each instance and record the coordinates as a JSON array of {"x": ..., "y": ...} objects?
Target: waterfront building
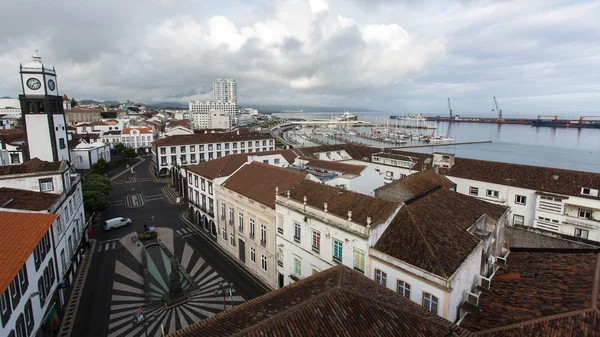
[
  {"x": 336, "y": 302},
  {"x": 246, "y": 221},
  {"x": 43, "y": 114},
  {"x": 182, "y": 150},
  {"x": 10, "y": 107},
  {"x": 540, "y": 292},
  {"x": 28, "y": 275},
  {"x": 225, "y": 90},
  {"x": 555, "y": 201},
  {"x": 320, "y": 226}
]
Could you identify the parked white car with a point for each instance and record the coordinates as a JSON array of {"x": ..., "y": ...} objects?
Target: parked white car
[{"x": 111, "y": 224}]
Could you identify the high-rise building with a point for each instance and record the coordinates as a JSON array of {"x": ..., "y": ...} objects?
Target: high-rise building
[
  {"x": 43, "y": 113},
  {"x": 203, "y": 114},
  {"x": 225, "y": 90}
]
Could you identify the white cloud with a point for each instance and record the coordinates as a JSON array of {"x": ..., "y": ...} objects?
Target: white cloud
[{"x": 317, "y": 6}]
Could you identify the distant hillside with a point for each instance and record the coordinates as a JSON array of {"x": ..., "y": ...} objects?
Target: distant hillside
[
  {"x": 90, "y": 101},
  {"x": 304, "y": 108}
]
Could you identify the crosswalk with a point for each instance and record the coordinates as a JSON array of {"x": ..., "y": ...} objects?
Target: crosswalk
[
  {"x": 185, "y": 232},
  {"x": 107, "y": 245}
]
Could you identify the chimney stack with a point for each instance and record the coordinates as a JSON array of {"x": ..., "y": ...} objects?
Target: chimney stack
[
  {"x": 368, "y": 222},
  {"x": 349, "y": 215}
]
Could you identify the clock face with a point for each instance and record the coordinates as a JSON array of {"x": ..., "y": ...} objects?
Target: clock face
[
  {"x": 51, "y": 85},
  {"x": 33, "y": 83}
]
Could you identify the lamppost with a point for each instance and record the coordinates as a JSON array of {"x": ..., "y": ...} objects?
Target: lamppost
[{"x": 225, "y": 289}]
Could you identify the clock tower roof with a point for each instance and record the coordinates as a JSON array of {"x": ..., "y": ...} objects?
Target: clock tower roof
[{"x": 36, "y": 65}]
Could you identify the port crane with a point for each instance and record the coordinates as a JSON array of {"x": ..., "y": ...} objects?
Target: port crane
[
  {"x": 500, "y": 119},
  {"x": 450, "y": 107}
]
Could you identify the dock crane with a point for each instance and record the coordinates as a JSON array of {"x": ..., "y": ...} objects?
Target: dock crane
[
  {"x": 450, "y": 107},
  {"x": 500, "y": 119},
  {"x": 582, "y": 117}
]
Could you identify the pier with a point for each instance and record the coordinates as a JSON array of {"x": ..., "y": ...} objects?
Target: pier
[{"x": 440, "y": 144}]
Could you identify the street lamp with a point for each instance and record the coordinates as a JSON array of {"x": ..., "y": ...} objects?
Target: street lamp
[{"x": 224, "y": 289}]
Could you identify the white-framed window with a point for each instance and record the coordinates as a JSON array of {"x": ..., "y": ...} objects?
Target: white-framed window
[
  {"x": 518, "y": 219},
  {"x": 231, "y": 215},
  {"x": 430, "y": 302},
  {"x": 492, "y": 193},
  {"x": 403, "y": 288},
  {"x": 252, "y": 227},
  {"x": 241, "y": 221},
  {"x": 359, "y": 260},
  {"x": 280, "y": 223},
  {"x": 473, "y": 190},
  {"x": 276, "y": 161},
  {"x": 338, "y": 248},
  {"x": 297, "y": 267},
  {"x": 224, "y": 234},
  {"x": 263, "y": 262},
  {"x": 316, "y": 241},
  {"x": 585, "y": 213},
  {"x": 223, "y": 211},
  {"x": 253, "y": 254},
  {"x": 231, "y": 240},
  {"x": 520, "y": 200},
  {"x": 263, "y": 234},
  {"x": 380, "y": 277},
  {"x": 297, "y": 232},
  {"x": 46, "y": 184},
  {"x": 582, "y": 233}
]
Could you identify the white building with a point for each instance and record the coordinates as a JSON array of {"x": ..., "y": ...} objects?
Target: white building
[
  {"x": 225, "y": 90},
  {"x": 320, "y": 226},
  {"x": 191, "y": 149},
  {"x": 204, "y": 114},
  {"x": 44, "y": 117},
  {"x": 10, "y": 107},
  {"x": 28, "y": 278},
  {"x": 84, "y": 154},
  {"x": 134, "y": 137}
]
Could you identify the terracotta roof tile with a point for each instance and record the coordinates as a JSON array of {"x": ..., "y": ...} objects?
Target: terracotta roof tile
[
  {"x": 538, "y": 178},
  {"x": 335, "y": 302},
  {"x": 126, "y": 131},
  {"x": 35, "y": 165},
  {"x": 340, "y": 201},
  {"x": 21, "y": 232},
  {"x": 430, "y": 232},
  {"x": 557, "y": 300},
  {"x": 203, "y": 138},
  {"x": 26, "y": 200},
  {"x": 419, "y": 183},
  {"x": 225, "y": 166},
  {"x": 244, "y": 181},
  {"x": 335, "y": 166}
]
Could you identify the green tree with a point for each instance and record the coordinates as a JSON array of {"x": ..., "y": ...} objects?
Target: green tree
[
  {"x": 100, "y": 167},
  {"x": 95, "y": 201},
  {"x": 74, "y": 103},
  {"x": 141, "y": 151},
  {"x": 129, "y": 153},
  {"x": 97, "y": 185},
  {"x": 119, "y": 147}
]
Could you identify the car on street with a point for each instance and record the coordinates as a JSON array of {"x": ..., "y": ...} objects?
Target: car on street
[{"x": 113, "y": 223}]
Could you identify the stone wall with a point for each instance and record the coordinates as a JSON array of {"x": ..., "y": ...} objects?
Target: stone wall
[{"x": 527, "y": 237}]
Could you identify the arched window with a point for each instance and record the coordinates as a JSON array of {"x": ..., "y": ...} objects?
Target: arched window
[
  {"x": 30, "y": 107},
  {"x": 40, "y": 107}
]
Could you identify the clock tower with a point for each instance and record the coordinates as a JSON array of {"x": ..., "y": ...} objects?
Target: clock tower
[{"x": 43, "y": 114}]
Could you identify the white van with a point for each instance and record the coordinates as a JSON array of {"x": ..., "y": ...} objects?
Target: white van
[{"x": 111, "y": 224}]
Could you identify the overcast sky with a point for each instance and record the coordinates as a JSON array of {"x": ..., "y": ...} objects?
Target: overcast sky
[{"x": 535, "y": 56}]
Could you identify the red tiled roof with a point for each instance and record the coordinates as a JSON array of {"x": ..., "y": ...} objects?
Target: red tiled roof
[
  {"x": 418, "y": 183},
  {"x": 35, "y": 165},
  {"x": 84, "y": 110},
  {"x": 335, "y": 166},
  {"x": 146, "y": 130},
  {"x": 225, "y": 166},
  {"x": 183, "y": 123},
  {"x": 21, "y": 232},
  {"x": 201, "y": 138},
  {"x": 430, "y": 232},
  {"x": 340, "y": 201},
  {"x": 12, "y": 135},
  {"x": 26, "y": 200},
  {"x": 334, "y": 302},
  {"x": 538, "y": 178},
  {"x": 559, "y": 299},
  {"x": 244, "y": 181}
]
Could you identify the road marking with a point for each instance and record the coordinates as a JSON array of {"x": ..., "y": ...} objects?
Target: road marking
[
  {"x": 184, "y": 231},
  {"x": 178, "y": 232},
  {"x": 106, "y": 246},
  {"x": 100, "y": 248},
  {"x": 103, "y": 242},
  {"x": 113, "y": 245}
]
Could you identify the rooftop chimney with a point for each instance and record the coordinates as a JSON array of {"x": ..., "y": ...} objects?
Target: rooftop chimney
[{"x": 368, "y": 222}]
